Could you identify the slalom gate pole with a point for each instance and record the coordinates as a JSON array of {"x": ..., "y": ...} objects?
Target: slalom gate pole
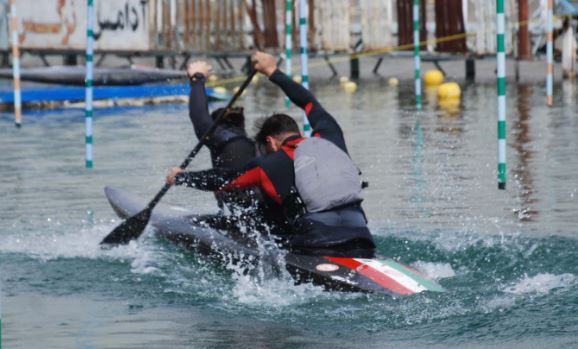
[
  {"x": 549, "y": 54},
  {"x": 16, "y": 64},
  {"x": 88, "y": 115},
  {"x": 501, "y": 86},
  {"x": 416, "y": 53},
  {"x": 303, "y": 27},
  {"x": 288, "y": 41},
  {"x": 0, "y": 311}
]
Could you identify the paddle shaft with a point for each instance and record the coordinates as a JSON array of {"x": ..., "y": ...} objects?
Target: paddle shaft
[{"x": 203, "y": 139}]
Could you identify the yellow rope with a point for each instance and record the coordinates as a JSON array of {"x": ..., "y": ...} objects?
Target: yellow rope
[{"x": 346, "y": 57}]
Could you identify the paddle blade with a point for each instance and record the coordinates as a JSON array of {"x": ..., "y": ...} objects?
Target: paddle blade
[{"x": 128, "y": 230}]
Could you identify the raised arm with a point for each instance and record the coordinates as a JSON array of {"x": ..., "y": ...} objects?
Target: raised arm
[
  {"x": 198, "y": 105},
  {"x": 322, "y": 123}
]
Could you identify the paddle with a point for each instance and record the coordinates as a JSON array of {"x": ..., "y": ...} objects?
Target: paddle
[{"x": 134, "y": 226}]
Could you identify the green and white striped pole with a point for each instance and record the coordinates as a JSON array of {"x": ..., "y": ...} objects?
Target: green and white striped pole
[
  {"x": 416, "y": 54},
  {"x": 288, "y": 41},
  {"x": 303, "y": 13},
  {"x": 550, "y": 54},
  {"x": 501, "y": 85},
  {"x": 89, "y": 82},
  {"x": 16, "y": 64},
  {"x": 0, "y": 311}
]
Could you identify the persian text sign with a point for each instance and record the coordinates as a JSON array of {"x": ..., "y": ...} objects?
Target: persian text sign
[{"x": 61, "y": 24}]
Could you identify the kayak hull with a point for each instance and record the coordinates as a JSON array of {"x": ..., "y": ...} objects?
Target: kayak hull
[{"x": 192, "y": 232}]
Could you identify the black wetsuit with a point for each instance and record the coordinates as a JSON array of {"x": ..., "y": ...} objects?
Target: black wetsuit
[
  {"x": 339, "y": 231},
  {"x": 230, "y": 147}
]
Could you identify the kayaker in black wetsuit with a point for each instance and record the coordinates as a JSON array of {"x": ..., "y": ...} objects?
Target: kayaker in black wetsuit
[
  {"x": 318, "y": 194},
  {"x": 229, "y": 145},
  {"x": 230, "y": 150}
]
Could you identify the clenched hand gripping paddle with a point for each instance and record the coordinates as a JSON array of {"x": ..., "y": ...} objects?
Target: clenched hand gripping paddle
[{"x": 134, "y": 226}]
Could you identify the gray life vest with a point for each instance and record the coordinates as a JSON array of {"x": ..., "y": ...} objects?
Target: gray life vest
[{"x": 325, "y": 176}]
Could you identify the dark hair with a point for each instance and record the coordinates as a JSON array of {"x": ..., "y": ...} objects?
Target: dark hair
[
  {"x": 234, "y": 118},
  {"x": 275, "y": 125}
]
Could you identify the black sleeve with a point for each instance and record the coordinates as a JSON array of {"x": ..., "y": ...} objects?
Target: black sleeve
[
  {"x": 199, "y": 114},
  {"x": 321, "y": 121},
  {"x": 207, "y": 180},
  {"x": 213, "y": 179}
]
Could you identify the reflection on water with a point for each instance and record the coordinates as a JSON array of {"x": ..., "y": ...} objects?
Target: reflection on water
[{"x": 522, "y": 141}]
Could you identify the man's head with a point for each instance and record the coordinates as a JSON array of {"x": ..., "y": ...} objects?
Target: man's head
[
  {"x": 234, "y": 118},
  {"x": 274, "y": 130}
]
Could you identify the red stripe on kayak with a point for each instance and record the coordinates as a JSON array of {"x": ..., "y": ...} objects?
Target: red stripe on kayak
[{"x": 372, "y": 273}]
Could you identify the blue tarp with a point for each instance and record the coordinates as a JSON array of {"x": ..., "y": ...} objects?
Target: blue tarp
[
  {"x": 567, "y": 7},
  {"x": 76, "y": 94}
]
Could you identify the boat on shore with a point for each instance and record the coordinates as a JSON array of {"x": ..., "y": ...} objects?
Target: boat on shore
[{"x": 76, "y": 75}]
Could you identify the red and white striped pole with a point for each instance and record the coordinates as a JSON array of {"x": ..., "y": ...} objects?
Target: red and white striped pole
[
  {"x": 550, "y": 54},
  {"x": 15, "y": 65}
]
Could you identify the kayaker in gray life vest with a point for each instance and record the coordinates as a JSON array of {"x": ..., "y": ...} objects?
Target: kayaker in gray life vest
[{"x": 312, "y": 180}]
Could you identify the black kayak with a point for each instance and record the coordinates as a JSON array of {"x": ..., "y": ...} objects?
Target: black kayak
[
  {"x": 76, "y": 75},
  {"x": 196, "y": 233}
]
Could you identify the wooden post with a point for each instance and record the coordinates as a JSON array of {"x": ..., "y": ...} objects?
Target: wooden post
[
  {"x": 258, "y": 36},
  {"x": 187, "y": 19},
  {"x": 208, "y": 24},
  {"x": 354, "y": 67},
  {"x": 523, "y": 33},
  {"x": 226, "y": 21},
  {"x": 199, "y": 25},
  {"x": 194, "y": 20},
  {"x": 470, "y": 69},
  {"x": 270, "y": 21},
  {"x": 241, "y": 22},
  {"x": 311, "y": 25},
  {"x": 218, "y": 28}
]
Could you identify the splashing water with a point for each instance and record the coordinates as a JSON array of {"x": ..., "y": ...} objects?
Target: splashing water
[
  {"x": 435, "y": 271},
  {"x": 542, "y": 283}
]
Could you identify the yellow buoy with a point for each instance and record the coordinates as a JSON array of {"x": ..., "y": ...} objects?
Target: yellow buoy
[
  {"x": 343, "y": 79},
  {"x": 220, "y": 90},
  {"x": 449, "y": 90},
  {"x": 393, "y": 82},
  {"x": 433, "y": 77},
  {"x": 297, "y": 78},
  {"x": 213, "y": 78},
  {"x": 450, "y": 105},
  {"x": 350, "y": 86}
]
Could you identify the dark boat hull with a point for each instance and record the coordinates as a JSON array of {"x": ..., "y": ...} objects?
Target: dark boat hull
[
  {"x": 184, "y": 228},
  {"x": 76, "y": 75}
]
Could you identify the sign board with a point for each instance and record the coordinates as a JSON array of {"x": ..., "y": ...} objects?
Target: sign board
[{"x": 62, "y": 24}]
